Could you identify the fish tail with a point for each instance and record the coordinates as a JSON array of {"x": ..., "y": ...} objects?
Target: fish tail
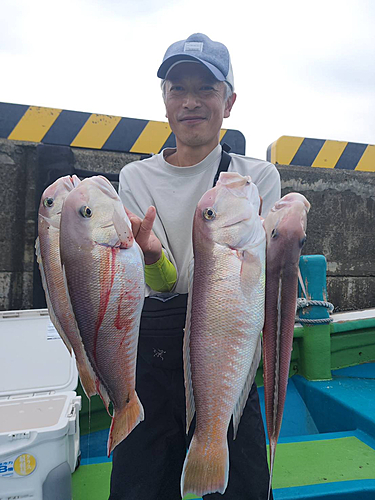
[
  {"x": 206, "y": 470},
  {"x": 124, "y": 421},
  {"x": 272, "y": 445}
]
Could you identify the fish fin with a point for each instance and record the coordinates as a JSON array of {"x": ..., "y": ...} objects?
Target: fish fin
[
  {"x": 251, "y": 271},
  {"x": 240, "y": 405},
  {"x": 86, "y": 373},
  {"x": 190, "y": 403},
  {"x": 87, "y": 377},
  {"x": 124, "y": 421},
  {"x": 75, "y": 180},
  {"x": 206, "y": 469},
  {"x": 123, "y": 230},
  {"x": 272, "y": 448},
  {"x": 85, "y": 369},
  {"x": 103, "y": 394},
  {"x": 51, "y": 312}
]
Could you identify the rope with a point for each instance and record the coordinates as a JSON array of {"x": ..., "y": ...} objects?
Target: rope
[
  {"x": 323, "y": 321},
  {"x": 302, "y": 303}
]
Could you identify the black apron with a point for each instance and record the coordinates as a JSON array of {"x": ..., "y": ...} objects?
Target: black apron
[{"x": 147, "y": 465}]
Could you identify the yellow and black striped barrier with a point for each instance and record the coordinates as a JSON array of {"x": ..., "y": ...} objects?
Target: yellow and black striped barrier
[
  {"x": 320, "y": 153},
  {"x": 85, "y": 130}
]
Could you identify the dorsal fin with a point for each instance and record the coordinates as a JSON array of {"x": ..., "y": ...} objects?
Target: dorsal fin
[
  {"x": 52, "y": 315},
  {"x": 240, "y": 405},
  {"x": 190, "y": 403}
]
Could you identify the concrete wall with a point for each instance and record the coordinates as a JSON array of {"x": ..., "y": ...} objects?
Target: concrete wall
[
  {"x": 340, "y": 225},
  {"x": 18, "y": 194}
]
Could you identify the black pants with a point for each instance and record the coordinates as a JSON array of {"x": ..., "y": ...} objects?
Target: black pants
[{"x": 147, "y": 465}]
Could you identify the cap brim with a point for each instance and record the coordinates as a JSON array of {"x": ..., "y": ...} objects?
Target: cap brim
[{"x": 180, "y": 58}]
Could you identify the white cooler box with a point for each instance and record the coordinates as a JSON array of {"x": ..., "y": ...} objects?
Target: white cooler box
[{"x": 39, "y": 426}]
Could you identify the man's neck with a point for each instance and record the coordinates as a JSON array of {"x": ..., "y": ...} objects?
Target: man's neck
[{"x": 186, "y": 156}]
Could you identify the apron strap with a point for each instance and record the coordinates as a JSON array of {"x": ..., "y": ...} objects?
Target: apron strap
[{"x": 224, "y": 162}]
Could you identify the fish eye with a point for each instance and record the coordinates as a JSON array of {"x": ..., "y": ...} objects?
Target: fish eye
[
  {"x": 86, "y": 211},
  {"x": 209, "y": 213},
  {"x": 302, "y": 241},
  {"x": 274, "y": 233},
  {"x": 48, "y": 202}
]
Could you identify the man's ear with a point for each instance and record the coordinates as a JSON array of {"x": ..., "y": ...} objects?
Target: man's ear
[{"x": 229, "y": 104}]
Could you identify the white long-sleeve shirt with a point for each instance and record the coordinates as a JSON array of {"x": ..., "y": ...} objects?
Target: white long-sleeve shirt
[{"x": 175, "y": 192}]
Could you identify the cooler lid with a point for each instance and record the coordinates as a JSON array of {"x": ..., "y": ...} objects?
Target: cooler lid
[{"x": 33, "y": 358}]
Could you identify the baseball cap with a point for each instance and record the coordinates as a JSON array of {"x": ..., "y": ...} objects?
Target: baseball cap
[{"x": 199, "y": 48}]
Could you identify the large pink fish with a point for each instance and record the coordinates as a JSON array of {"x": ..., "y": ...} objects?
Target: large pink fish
[
  {"x": 285, "y": 227},
  {"x": 225, "y": 317},
  {"x": 47, "y": 248},
  {"x": 105, "y": 280}
]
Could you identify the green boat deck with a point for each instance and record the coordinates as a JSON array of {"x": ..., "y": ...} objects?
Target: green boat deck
[
  {"x": 327, "y": 439},
  {"x": 326, "y": 448}
]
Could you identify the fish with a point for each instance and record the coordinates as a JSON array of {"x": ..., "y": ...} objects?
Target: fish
[
  {"x": 47, "y": 248},
  {"x": 104, "y": 272},
  {"x": 222, "y": 342},
  {"x": 285, "y": 227}
]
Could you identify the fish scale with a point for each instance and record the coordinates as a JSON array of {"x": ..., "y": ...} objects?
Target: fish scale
[
  {"x": 48, "y": 256},
  {"x": 105, "y": 279},
  {"x": 285, "y": 228},
  {"x": 224, "y": 321}
]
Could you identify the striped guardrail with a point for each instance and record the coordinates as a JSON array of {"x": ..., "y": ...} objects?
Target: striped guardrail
[
  {"x": 85, "y": 130},
  {"x": 322, "y": 153}
]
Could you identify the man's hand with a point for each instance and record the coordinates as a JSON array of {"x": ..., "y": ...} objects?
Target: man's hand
[{"x": 144, "y": 236}]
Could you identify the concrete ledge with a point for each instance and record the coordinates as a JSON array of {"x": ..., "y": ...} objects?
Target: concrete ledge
[{"x": 341, "y": 223}]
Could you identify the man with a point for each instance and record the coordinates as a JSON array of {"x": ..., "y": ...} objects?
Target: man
[{"x": 198, "y": 91}]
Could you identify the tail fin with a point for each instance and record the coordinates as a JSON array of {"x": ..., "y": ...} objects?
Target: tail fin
[
  {"x": 272, "y": 446},
  {"x": 124, "y": 421},
  {"x": 206, "y": 470}
]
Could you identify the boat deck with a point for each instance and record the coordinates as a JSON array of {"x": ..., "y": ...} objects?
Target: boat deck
[{"x": 326, "y": 449}]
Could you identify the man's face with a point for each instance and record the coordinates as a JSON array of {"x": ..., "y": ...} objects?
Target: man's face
[{"x": 195, "y": 104}]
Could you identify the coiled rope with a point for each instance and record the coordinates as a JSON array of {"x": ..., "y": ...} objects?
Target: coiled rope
[{"x": 305, "y": 302}]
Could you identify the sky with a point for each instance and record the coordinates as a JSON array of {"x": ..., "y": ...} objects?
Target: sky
[{"x": 301, "y": 68}]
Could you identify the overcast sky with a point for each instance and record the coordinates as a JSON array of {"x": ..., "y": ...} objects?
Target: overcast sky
[{"x": 303, "y": 68}]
